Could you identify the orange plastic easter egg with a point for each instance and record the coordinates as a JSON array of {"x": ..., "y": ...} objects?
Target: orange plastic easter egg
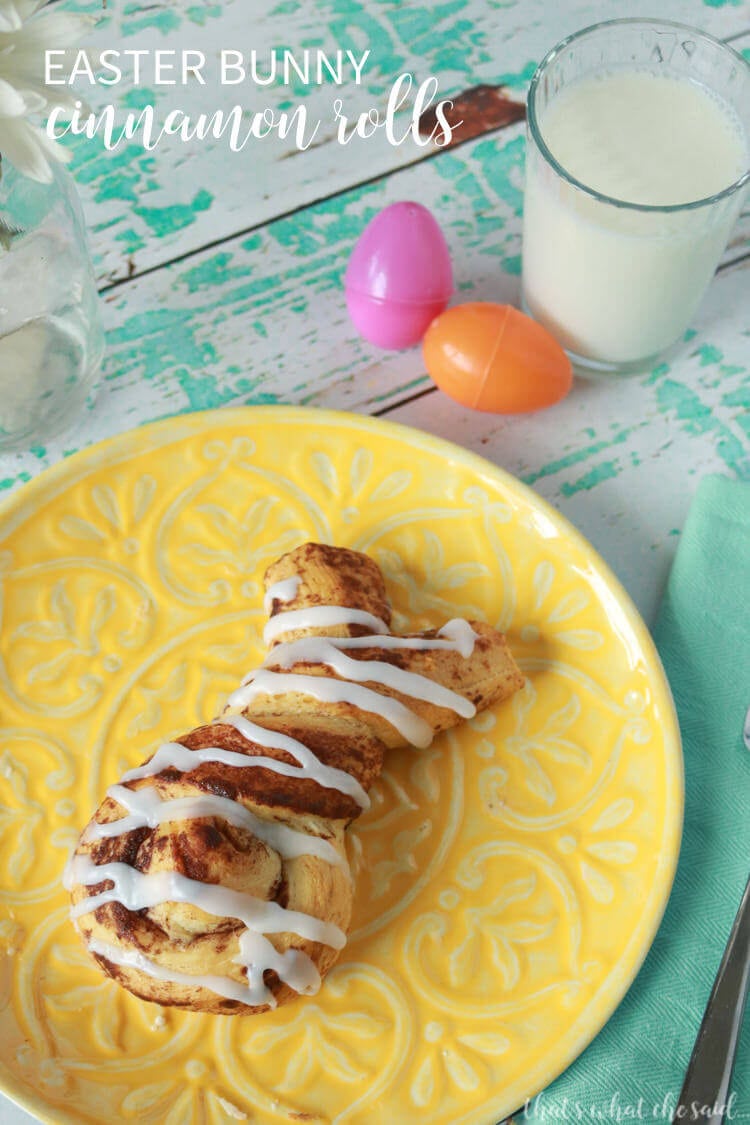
[{"x": 493, "y": 358}]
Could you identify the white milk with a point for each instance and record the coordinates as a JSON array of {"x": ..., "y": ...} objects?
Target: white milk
[{"x": 614, "y": 284}]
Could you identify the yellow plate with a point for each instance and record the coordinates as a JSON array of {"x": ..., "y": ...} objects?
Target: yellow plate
[{"x": 510, "y": 879}]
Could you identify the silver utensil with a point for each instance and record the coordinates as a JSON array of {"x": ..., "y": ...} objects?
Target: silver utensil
[{"x": 708, "y": 1081}]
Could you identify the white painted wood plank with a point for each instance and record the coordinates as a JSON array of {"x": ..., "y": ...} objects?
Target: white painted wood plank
[{"x": 146, "y": 208}]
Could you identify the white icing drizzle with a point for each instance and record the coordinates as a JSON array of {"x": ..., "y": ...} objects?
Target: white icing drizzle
[
  {"x": 320, "y": 617},
  {"x": 456, "y": 635},
  {"x": 461, "y": 636},
  {"x": 283, "y": 591},
  {"x": 410, "y": 726},
  {"x": 318, "y": 650},
  {"x": 292, "y": 967},
  {"x": 310, "y": 766},
  {"x": 173, "y": 755},
  {"x": 147, "y": 810},
  {"x": 134, "y": 959},
  {"x": 137, "y": 890}
]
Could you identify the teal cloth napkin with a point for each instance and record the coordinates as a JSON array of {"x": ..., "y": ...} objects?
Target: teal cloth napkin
[{"x": 703, "y": 636}]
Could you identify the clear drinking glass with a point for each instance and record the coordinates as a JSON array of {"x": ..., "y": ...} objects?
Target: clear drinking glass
[
  {"x": 51, "y": 340},
  {"x": 617, "y": 282}
]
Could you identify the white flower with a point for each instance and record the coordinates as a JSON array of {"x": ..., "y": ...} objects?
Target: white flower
[{"x": 25, "y": 33}]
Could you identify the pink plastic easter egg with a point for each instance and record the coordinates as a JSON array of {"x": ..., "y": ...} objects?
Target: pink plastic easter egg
[{"x": 399, "y": 276}]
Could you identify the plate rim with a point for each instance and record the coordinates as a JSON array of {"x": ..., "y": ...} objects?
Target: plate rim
[{"x": 124, "y": 444}]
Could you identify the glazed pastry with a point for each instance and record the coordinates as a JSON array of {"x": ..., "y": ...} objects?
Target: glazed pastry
[{"x": 214, "y": 877}]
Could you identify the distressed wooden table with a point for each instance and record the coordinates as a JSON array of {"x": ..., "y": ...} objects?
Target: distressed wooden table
[{"x": 221, "y": 273}]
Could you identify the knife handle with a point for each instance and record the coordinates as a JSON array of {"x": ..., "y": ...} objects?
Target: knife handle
[{"x": 709, "y": 1074}]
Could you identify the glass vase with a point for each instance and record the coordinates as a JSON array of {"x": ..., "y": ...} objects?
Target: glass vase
[{"x": 51, "y": 339}]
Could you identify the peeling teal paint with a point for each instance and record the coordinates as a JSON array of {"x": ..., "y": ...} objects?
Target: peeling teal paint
[
  {"x": 202, "y": 391},
  {"x": 516, "y": 78},
  {"x": 166, "y": 220},
  {"x": 738, "y": 397},
  {"x": 695, "y": 418},
  {"x": 254, "y": 242},
  {"x": 606, "y": 471},
  {"x": 11, "y": 482},
  {"x": 131, "y": 240},
  {"x": 575, "y": 458},
  {"x": 327, "y": 223},
  {"x": 88, "y": 8},
  {"x": 412, "y": 23},
  {"x": 139, "y": 97},
  {"x": 657, "y": 373},
  {"x": 265, "y": 398},
  {"x": 201, "y": 14},
  {"x": 117, "y": 175},
  {"x": 709, "y": 354},
  {"x": 106, "y": 224},
  {"x": 212, "y": 271},
  {"x": 165, "y": 21},
  {"x": 255, "y": 290},
  {"x": 440, "y": 36},
  {"x": 502, "y": 164},
  {"x": 153, "y": 342},
  {"x": 452, "y": 44}
]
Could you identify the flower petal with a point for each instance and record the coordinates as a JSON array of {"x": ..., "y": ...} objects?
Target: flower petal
[
  {"x": 33, "y": 101},
  {"x": 26, "y": 8},
  {"x": 27, "y": 148},
  {"x": 52, "y": 29},
  {"x": 9, "y": 18},
  {"x": 11, "y": 101},
  {"x": 24, "y": 76}
]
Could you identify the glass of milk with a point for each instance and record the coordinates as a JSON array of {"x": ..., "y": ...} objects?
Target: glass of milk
[
  {"x": 51, "y": 340},
  {"x": 637, "y": 167}
]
